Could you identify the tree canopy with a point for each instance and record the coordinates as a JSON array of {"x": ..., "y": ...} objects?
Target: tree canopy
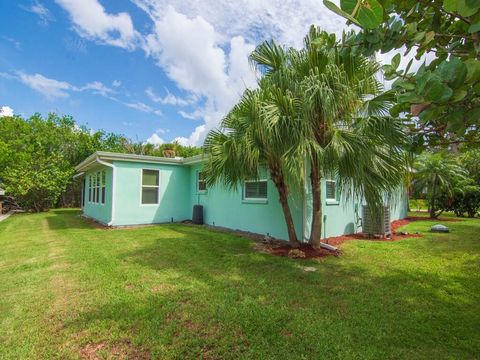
[
  {"x": 442, "y": 97},
  {"x": 38, "y": 156}
]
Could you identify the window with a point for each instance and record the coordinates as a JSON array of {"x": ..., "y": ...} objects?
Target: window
[
  {"x": 94, "y": 188},
  {"x": 103, "y": 184},
  {"x": 90, "y": 188},
  {"x": 331, "y": 190},
  {"x": 201, "y": 183},
  {"x": 150, "y": 186},
  {"x": 255, "y": 190},
  {"x": 97, "y": 198},
  {"x": 97, "y": 187}
]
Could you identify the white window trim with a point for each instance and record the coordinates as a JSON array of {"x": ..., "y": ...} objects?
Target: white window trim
[
  {"x": 327, "y": 199},
  {"x": 103, "y": 185},
  {"x": 149, "y": 186},
  {"x": 96, "y": 187},
  {"x": 198, "y": 183},
  {"x": 245, "y": 198}
]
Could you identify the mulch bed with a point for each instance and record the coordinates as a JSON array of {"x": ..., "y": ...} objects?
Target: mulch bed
[{"x": 311, "y": 253}]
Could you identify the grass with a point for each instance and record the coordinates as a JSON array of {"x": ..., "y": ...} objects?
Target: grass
[{"x": 69, "y": 290}]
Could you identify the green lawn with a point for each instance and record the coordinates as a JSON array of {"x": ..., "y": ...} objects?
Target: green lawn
[{"x": 69, "y": 290}]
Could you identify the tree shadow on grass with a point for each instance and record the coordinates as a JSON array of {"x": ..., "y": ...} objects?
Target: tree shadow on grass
[
  {"x": 64, "y": 219},
  {"x": 235, "y": 302}
]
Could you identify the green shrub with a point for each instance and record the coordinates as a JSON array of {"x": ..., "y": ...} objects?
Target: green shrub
[{"x": 466, "y": 201}]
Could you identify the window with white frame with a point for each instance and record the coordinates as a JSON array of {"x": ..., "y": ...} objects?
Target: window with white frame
[
  {"x": 90, "y": 188},
  {"x": 331, "y": 190},
  {"x": 97, "y": 187},
  {"x": 97, "y": 193},
  {"x": 94, "y": 188},
  {"x": 201, "y": 183},
  {"x": 103, "y": 187},
  {"x": 150, "y": 186},
  {"x": 255, "y": 189}
]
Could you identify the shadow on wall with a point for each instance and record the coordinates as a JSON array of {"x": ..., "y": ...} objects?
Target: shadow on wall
[
  {"x": 174, "y": 201},
  {"x": 349, "y": 229}
]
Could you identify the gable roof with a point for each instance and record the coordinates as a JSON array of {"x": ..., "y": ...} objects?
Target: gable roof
[{"x": 110, "y": 156}]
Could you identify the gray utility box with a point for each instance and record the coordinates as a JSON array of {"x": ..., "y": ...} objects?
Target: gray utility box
[{"x": 378, "y": 224}]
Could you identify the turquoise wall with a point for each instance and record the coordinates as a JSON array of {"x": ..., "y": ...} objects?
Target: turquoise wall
[
  {"x": 342, "y": 217},
  {"x": 222, "y": 207},
  {"x": 101, "y": 212},
  {"x": 227, "y": 208},
  {"x": 174, "y": 198}
]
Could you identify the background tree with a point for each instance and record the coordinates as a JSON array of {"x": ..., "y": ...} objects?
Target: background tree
[
  {"x": 441, "y": 98},
  {"x": 38, "y": 156},
  {"x": 437, "y": 175}
]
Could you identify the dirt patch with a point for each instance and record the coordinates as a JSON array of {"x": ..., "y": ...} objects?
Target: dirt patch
[
  {"x": 309, "y": 251},
  {"x": 162, "y": 288},
  {"x": 120, "y": 350},
  {"x": 90, "y": 351}
]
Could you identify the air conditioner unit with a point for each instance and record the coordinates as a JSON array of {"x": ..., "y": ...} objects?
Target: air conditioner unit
[{"x": 378, "y": 224}]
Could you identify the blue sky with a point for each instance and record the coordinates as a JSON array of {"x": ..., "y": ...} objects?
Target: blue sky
[{"x": 154, "y": 70}]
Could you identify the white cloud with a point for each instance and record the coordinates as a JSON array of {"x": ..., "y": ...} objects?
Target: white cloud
[
  {"x": 155, "y": 140},
  {"x": 194, "y": 115},
  {"x": 6, "y": 111},
  {"x": 44, "y": 15},
  {"x": 285, "y": 20},
  {"x": 50, "y": 88},
  {"x": 97, "y": 88},
  {"x": 170, "y": 99},
  {"x": 116, "y": 83},
  {"x": 189, "y": 51},
  {"x": 93, "y": 22},
  {"x": 54, "y": 89},
  {"x": 144, "y": 108}
]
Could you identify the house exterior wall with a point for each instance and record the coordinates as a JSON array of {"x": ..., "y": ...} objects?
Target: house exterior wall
[
  {"x": 227, "y": 208},
  {"x": 174, "y": 199},
  {"x": 222, "y": 207},
  {"x": 100, "y": 212},
  {"x": 343, "y": 216}
]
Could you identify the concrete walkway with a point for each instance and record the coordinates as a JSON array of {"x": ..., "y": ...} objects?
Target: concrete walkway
[{"x": 5, "y": 216}]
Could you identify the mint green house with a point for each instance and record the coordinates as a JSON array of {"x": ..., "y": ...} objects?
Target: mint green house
[{"x": 126, "y": 189}]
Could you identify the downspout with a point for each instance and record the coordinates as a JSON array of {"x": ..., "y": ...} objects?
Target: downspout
[{"x": 110, "y": 223}]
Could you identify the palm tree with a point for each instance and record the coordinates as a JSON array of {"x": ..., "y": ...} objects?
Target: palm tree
[
  {"x": 341, "y": 125},
  {"x": 243, "y": 144},
  {"x": 437, "y": 174}
]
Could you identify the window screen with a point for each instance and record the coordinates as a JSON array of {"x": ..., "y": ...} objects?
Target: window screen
[
  {"x": 150, "y": 186},
  {"x": 201, "y": 183},
  {"x": 331, "y": 191},
  {"x": 255, "y": 189}
]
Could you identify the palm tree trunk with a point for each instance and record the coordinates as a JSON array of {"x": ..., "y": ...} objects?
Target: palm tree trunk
[
  {"x": 432, "y": 202},
  {"x": 279, "y": 181},
  {"x": 315, "y": 181}
]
